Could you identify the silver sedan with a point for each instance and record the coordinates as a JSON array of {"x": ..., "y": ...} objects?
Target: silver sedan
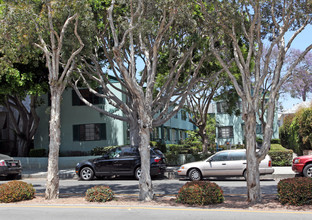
[{"x": 228, "y": 163}]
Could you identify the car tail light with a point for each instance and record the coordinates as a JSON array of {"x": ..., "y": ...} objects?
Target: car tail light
[
  {"x": 270, "y": 163},
  {"x": 157, "y": 159},
  {"x": 2, "y": 163}
]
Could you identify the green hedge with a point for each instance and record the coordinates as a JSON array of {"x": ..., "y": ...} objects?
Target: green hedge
[{"x": 281, "y": 158}]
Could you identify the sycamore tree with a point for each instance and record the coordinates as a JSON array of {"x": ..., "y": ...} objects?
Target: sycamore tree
[
  {"x": 134, "y": 44},
  {"x": 55, "y": 27},
  {"x": 198, "y": 104},
  {"x": 257, "y": 24}
]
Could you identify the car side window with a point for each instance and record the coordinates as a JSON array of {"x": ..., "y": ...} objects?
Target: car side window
[
  {"x": 114, "y": 153},
  {"x": 129, "y": 151},
  {"x": 240, "y": 155},
  {"x": 220, "y": 156}
]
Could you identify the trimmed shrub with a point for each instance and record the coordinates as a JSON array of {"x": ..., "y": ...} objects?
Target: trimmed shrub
[
  {"x": 281, "y": 158},
  {"x": 38, "y": 152},
  {"x": 200, "y": 193},
  {"x": 99, "y": 194},
  {"x": 295, "y": 191},
  {"x": 275, "y": 141},
  {"x": 15, "y": 191}
]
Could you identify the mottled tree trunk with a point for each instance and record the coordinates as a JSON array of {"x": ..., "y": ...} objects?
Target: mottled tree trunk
[
  {"x": 22, "y": 147},
  {"x": 205, "y": 139},
  {"x": 205, "y": 142},
  {"x": 134, "y": 133},
  {"x": 253, "y": 176},
  {"x": 52, "y": 186},
  {"x": 145, "y": 182}
]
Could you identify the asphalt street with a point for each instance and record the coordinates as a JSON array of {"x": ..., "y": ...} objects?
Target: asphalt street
[
  {"x": 70, "y": 212},
  {"x": 161, "y": 186}
]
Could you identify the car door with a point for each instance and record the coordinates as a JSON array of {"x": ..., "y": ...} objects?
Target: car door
[
  {"x": 216, "y": 165},
  {"x": 237, "y": 163},
  {"x": 125, "y": 162},
  {"x": 105, "y": 165}
]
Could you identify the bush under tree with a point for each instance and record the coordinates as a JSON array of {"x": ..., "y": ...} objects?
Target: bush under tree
[
  {"x": 99, "y": 194},
  {"x": 295, "y": 191},
  {"x": 200, "y": 193}
]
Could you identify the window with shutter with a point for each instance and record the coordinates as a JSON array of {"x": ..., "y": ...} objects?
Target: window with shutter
[{"x": 89, "y": 132}]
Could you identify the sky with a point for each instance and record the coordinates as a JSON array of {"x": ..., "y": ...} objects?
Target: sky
[{"x": 301, "y": 42}]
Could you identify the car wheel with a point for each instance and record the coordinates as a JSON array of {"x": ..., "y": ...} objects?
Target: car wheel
[
  {"x": 245, "y": 175},
  {"x": 307, "y": 171},
  {"x": 137, "y": 173},
  {"x": 86, "y": 173},
  {"x": 195, "y": 174}
]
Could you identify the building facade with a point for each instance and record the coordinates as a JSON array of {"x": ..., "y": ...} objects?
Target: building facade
[
  {"x": 83, "y": 128},
  {"x": 230, "y": 128}
]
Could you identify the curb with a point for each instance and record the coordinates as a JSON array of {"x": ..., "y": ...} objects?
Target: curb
[{"x": 171, "y": 173}]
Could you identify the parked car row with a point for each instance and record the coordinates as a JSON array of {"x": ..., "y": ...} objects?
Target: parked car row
[{"x": 125, "y": 161}]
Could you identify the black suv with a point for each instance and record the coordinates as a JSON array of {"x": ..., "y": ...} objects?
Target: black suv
[{"x": 120, "y": 161}]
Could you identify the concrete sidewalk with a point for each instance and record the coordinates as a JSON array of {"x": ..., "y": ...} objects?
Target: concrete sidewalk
[{"x": 171, "y": 173}]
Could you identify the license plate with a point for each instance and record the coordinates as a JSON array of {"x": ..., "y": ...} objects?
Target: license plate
[{"x": 13, "y": 164}]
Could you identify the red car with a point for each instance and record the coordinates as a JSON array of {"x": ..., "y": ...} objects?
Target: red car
[{"x": 303, "y": 165}]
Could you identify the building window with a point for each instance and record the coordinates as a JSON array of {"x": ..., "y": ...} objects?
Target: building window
[
  {"x": 155, "y": 134},
  {"x": 221, "y": 107},
  {"x": 167, "y": 134},
  {"x": 183, "y": 115},
  {"x": 90, "y": 97},
  {"x": 174, "y": 134},
  {"x": 89, "y": 132},
  {"x": 225, "y": 132}
]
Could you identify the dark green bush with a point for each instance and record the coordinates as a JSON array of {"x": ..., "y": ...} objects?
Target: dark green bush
[
  {"x": 38, "y": 152},
  {"x": 15, "y": 191},
  {"x": 281, "y": 158},
  {"x": 275, "y": 141},
  {"x": 191, "y": 152},
  {"x": 200, "y": 193},
  {"x": 295, "y": 191},
  {"x": 159, "y": 145},
  {"x": 99, "y": 194},
  {"x": 259, "y": 140}
]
